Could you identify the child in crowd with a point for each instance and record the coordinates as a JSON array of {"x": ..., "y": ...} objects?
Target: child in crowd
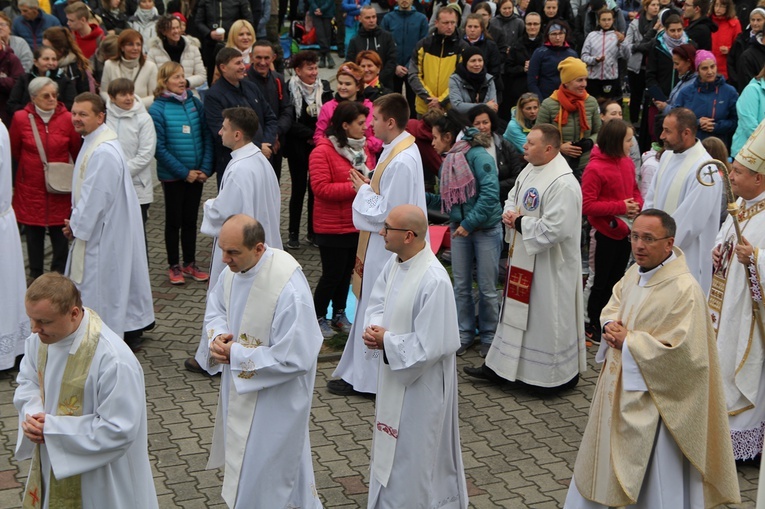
[{"x": 601, "y": 52}]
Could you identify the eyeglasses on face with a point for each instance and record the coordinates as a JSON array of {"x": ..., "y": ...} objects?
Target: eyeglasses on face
[
  {"x": 388, "y": 228},
  {"x": 645, "y": 239},
  {"x": 48, "y": 95}
]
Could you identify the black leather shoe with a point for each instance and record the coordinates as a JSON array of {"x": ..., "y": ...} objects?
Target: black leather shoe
[
  {"x": 342, "y": 388},
  {"x": 192, "y": 365},
  {"x": 483, "y": 372}
]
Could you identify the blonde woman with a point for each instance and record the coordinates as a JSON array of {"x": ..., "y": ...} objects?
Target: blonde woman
[{"x": 242, "y": 37}]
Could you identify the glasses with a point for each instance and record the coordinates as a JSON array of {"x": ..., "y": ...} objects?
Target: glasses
[
  {"x": 49, "y": 95},
  {"x": 645, "y": 239},
  {"x": 4, "y": 24},
  {"x": 388, "y": 228}
]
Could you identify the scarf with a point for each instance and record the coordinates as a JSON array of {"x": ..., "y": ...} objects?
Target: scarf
[
  {"x": 671, "y": 43},
  {"x": 354, "y": 152},
  {"x": 475, "y": 79},
  {"x": 130, "y": 68},
  {"x": 146, "y": 15},
  {"x": 310, "y": 94},
  {"x": 67, "y": 60},
  {"x": 569, "y": 103},
  {"x": 174, "y": 51},
  {"x": 457, "y": 180},
  {"x": 179, "y": 97}
]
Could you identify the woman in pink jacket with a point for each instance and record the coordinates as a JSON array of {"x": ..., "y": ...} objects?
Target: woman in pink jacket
[
  {"x": 610, "y": 200},
  {"x": 350, "y": 85},
  {"x": 343, "y": 149}
]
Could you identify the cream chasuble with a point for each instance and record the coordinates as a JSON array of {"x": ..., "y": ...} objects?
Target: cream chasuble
[
  {"x": 739, "y": 340},
  {"x": 416, "y": 454},
  {"x": 401, "y": 183},
  {"x": 671, "y": 341},
  {"x": 540, "y": 336}
]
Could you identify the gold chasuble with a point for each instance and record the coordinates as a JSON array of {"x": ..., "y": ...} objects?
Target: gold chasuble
[
  {"x": 65, "y": 493},
  {"x": 671, "y": 338},
  {"x": 361, "y": 250}
]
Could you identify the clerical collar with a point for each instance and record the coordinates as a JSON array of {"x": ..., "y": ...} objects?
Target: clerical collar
[
  {"x": 243, "y": 151},
  {"x": 256, "y": 268},
  {"x": 645, "y": 276},
  {"x": 73, "y": 340},
  {"x": 685, "y": 149},
  {"x": 754, "y": 201},
  {"x": 406, "y": 264},
  {"x": 395, "y": 141},
  {"x": 92, "y": 136}
]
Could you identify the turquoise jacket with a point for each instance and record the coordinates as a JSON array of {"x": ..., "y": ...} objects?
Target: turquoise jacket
[
  {"x": 751, "y": 110},
  {"x": 515, "y": 133},
  {"x": 184, "y": 142},
  {"x": 483, "y": 209}
]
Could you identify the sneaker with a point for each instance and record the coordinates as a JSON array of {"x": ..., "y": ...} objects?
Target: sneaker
[
  {"x": 322, "y": 62},
  {"x": 327, "y": 331},
  {"x": 330, "y": 62},
  {"x": 193, "y": 271},
  {"x": 175, "y": 275},
  {"x": 592, "y": 333},
  {"x": 484, "y": 351},
  {"x": 341, "y": 323},
  {"x": 463, "y": 348},
  {"x": 311, "y": 240},
  {"x": 293, "y": 242}
]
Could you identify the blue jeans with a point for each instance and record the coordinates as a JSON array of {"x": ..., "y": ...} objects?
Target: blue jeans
[{"x": 481, "y": 250}]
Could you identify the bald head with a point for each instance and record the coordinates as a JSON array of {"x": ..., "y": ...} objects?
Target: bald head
[
  {"x": 242, "y": 241},
  {"x": 250, "y": 230},
  {"x": 404, "y": 231},
  {"x": 412, "y": 218}
]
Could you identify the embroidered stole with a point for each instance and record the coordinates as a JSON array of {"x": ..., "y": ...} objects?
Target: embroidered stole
[
  {"x": 390, "y": 391},
  {"x": 254, "y": 331},
  {"x": 361, "y": 250},
  {"x": 65, "y": 493},
  {"x": 515, "y": 308},
  {"x": 77, "y": 251},
  {"x": 678, "y": 181}
]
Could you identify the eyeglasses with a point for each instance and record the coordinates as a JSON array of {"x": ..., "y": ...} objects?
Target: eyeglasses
[
  {"x": 49, "y": 95},
  {"x": 388, "y": 228},
  {"x": 645, "y": 239},
  {"x": 4, "y": 24}
]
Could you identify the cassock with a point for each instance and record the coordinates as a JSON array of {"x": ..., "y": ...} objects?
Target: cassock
[
  {"x": 540, "y": 334},
  {"x": 107, "y": 445},
  {"x": 739, "y": 337},
  {"x": 657, "y": 436},
  {"x": 401, "y": 183},
  {"x": 693, "y": 206},
  {"x": 261, "y": 427},
  {"x": 107, "y": 260},
  {"x": 14, "y": 323},
  {"x": 416, "y": 454}
]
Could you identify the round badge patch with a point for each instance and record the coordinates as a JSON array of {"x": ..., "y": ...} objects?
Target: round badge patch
[{"x": 531, "y": 199}]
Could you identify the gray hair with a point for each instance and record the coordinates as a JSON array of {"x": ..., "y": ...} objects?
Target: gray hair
[
  {"x": 32, "y": 4},
  {"x": 39, "y": 83}
]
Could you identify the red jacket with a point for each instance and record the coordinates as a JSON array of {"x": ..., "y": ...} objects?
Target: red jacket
[
  {"x": 89, "y": 44},
  {"x": 606, "y": 183},
  {"x": 10, "y": 70},
  {"x": 431, "y": 160},
  {"x": 333, "y": 192},
  {"x": 727, "y": 31},
  {"x": 32, "y": 204}
]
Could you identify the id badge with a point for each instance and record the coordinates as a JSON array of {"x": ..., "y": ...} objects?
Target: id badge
[{"x": 187, "y": 129}]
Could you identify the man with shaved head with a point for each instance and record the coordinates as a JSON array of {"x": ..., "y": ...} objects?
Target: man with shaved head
[
  {"x": 412, "y": 320},
  {"x": 263, "y": 335}
]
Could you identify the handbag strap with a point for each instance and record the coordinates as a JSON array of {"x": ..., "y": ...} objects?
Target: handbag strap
[{"x": 37, "y": 139}]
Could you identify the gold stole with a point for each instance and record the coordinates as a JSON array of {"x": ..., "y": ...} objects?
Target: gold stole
[
  {"x": 361, "y": 250},
  {"x": 254, "y": 331},
  {"x": 77, "y": 253},
  {"x": 65, "y": 493}
]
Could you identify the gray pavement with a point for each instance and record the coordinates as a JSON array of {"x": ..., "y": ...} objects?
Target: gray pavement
[{"x": 518, "y": 449}]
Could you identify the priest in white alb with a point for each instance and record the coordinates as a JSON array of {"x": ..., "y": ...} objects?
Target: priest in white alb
[
  {"x": 397, "y": 180},
  {"x": 263, "y": 336},
  {"x": 676, "y": 191},
  {"x": 540, "y": 334},
  {"x": 412, "y": 320},
  {"x": 735, "y": 300},
  {"x": 657, "y": 436},
  {"x": 82, "y": 408},
  {"x": 249, "y": 186},
  {"x": 107, "y": 258},
  {"x": 14, "y": 324}
]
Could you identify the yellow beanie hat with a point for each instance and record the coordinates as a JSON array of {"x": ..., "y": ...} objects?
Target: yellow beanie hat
[{"x": 572, "y": 68}]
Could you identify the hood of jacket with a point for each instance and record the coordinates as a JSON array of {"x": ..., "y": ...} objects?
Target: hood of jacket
[
  {"x": 706, "y": 88},
  {"x": 369, "y": 34},
  {"x": 476, "y": 138},
  {"x": 116, "y": 112},
  {"x": 704, "y": 20}
]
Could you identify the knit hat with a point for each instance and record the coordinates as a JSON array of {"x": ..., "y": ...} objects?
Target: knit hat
[
  {"x": 702, "y": 55},
  {"x": 752, "y": 154},
  {"x": 179, "y": 16},
  {"x": 572, "y": 68},
  {"x": 456, "y": 7},
  {"x": 470, "y": 52}
]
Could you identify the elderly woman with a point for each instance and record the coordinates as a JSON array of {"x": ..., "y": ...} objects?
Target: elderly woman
[
  {"x": 36, "y": 208},
  {"x": 343, "y": 150},
  {"x": 471, "y": 84},
  {"x": 171, "y": 46},
  {"x": 131, "y": 63},
  {"x": 470, "y": 195},
  {"x": 542, "y": 77},
  {"x": 574, "y": 112},
  {"x": 371, "y": 64},
  {"x": 45, "y": 65},
  {"x": 711, "y": 99},
  {"x": 523, "y": 116}
]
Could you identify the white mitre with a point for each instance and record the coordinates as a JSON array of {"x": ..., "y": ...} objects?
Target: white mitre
[{"x": 752, "y": 154}]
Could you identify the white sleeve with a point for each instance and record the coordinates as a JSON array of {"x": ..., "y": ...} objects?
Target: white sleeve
[
  {"x": 561, "y": 218},
  {"x": 396, "y": 188},
  {"x": 27, "y": 399},
  {"x": 632, "y": 379}
]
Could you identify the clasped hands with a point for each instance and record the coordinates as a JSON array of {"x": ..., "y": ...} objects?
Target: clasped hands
[
  {"x": 614, "y": 334},
  {"x": 509, "y": 217},
  {"x": 196, "y": 176},
  {"x": 357, "y": 179},
  {"x": 373, "y": 337},
  {"x": 32, "y": 426},
  {"x": 220, "y": 348}
]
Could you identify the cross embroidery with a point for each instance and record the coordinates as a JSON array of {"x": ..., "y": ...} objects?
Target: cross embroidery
[
  {"x": 519, "y": 285},
  {"x": 35, "y": 497}
]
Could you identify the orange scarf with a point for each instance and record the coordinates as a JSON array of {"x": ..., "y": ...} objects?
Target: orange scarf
[{"x": 569, "y": 103}]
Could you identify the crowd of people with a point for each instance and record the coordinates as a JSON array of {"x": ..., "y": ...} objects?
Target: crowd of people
[{"x": 506, "y": 120}]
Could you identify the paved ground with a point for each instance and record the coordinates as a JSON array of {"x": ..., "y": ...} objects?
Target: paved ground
[{"x": 518, "y": 449}]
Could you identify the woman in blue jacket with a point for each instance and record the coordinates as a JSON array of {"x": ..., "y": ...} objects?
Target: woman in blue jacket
[
  {"x": 711, "y": 99},
  {"x": 184, "y": 161},
  {"x": 543, "y": 78},
  {"x": 470, "y": 195}
]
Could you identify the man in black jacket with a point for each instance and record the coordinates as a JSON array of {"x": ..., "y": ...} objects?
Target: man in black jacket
[
  {"x": 232, "y": 89},
  {"x": 371, "y": 37},
  {"x": 700, "y": 27},
  {"x": 212, "y": 15},
  {"x": 277, "y": 94}
]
